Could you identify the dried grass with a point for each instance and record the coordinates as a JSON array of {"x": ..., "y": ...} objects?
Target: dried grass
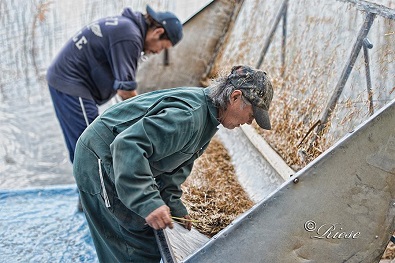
[
  {"x": 293, "y": 119},
  {"x": 389, "y": 253},
  {"x": 212, "y": 193}
]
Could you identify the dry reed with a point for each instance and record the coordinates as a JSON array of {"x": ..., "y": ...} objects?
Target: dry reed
[{"x": 212, "y": 193}]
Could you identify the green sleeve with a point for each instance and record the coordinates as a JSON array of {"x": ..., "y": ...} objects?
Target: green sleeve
[
  {"x": 170, "y": 189},
  {"x": 143, "y": 141}
]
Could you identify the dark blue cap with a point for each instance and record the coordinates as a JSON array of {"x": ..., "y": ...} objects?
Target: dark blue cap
[{"x": 170, "y": 23}]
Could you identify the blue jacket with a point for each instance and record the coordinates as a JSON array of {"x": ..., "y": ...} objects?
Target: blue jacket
[
  {"x": 101, "y": 58},
  {"x": 147, "y": 146}
]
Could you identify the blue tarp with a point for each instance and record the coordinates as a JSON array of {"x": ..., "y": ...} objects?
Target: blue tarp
[{"x": 43, "y": 225}]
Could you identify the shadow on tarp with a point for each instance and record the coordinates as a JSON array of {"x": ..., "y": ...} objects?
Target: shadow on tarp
[{"x": 43, "y": 225}]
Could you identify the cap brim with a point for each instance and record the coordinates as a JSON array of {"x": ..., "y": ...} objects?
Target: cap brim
[
  {"x": 169, "y": 22},
  {"x": 152, "y": 13},
  {"x": 262, "y": 118}
]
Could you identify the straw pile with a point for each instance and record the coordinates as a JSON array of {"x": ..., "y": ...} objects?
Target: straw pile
[
  {"x": 212, "y": 193},
  {"x": 292, "y": 133},
  {"x": 389, "y": 253}
]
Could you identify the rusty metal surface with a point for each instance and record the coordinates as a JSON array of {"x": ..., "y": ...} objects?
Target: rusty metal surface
[{"x": 340, "y": 210}]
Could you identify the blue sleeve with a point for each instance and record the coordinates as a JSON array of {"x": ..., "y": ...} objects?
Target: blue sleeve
[{"x": 124, "y": 59}]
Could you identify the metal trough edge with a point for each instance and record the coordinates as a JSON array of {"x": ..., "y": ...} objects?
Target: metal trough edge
[
  {"x": 341, "y": 208},
  {"x": 267, "y": 152}
]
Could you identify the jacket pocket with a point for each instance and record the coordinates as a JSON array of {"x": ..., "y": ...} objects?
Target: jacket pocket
[{"x": 86, "y": 169}]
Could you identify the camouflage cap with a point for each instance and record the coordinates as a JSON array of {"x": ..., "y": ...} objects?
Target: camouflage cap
[{"x": 257, "y": 89}]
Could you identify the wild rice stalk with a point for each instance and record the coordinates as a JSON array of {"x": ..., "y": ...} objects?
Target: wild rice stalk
[{"x": 212, "y": 193}]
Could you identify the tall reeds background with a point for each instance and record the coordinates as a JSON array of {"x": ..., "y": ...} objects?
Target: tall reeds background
[{"x": 318, "y": 45}]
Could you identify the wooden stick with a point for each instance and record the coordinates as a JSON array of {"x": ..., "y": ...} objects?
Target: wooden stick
[{"x": 185, "y": 219}]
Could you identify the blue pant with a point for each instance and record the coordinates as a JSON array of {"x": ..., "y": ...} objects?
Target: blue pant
[{"x": 70, "y": 113}]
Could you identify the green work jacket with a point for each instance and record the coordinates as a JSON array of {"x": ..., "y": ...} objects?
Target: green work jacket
[{"x": 147, "y": 146}]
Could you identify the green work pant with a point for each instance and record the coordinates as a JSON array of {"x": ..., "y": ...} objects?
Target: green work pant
[{"x": 119, "y": 235}]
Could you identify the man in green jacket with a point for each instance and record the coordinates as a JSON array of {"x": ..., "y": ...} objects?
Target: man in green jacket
[{"x": 131, "y": 161}]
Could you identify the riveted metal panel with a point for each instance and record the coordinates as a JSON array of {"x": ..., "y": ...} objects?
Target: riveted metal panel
[{"x": 340, "y": 208}]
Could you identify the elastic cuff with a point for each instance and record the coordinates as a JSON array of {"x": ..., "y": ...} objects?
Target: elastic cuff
[{"x": 125, "y": 85}]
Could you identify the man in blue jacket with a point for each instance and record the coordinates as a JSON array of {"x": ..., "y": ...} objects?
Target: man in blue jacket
[
  {"x": 131, "y": 161},
  {"x": 100, "y": 61}
]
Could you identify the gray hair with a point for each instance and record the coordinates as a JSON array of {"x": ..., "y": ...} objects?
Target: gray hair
[{"x": 220, "y": 91}]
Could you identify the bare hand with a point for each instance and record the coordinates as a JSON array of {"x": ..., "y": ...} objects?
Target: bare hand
[
  {"x": 126, "y": 94},
  {"x": 160, "y": 218}
]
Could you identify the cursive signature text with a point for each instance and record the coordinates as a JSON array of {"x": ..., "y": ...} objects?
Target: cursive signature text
[{"x": 329, "y": 231}]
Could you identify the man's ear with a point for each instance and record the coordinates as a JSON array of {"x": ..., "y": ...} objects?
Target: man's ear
[
  {"x": 236, "y": 95},
  {"x": 158, "y": 31},
  {"x": 154, "y": 34}
]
